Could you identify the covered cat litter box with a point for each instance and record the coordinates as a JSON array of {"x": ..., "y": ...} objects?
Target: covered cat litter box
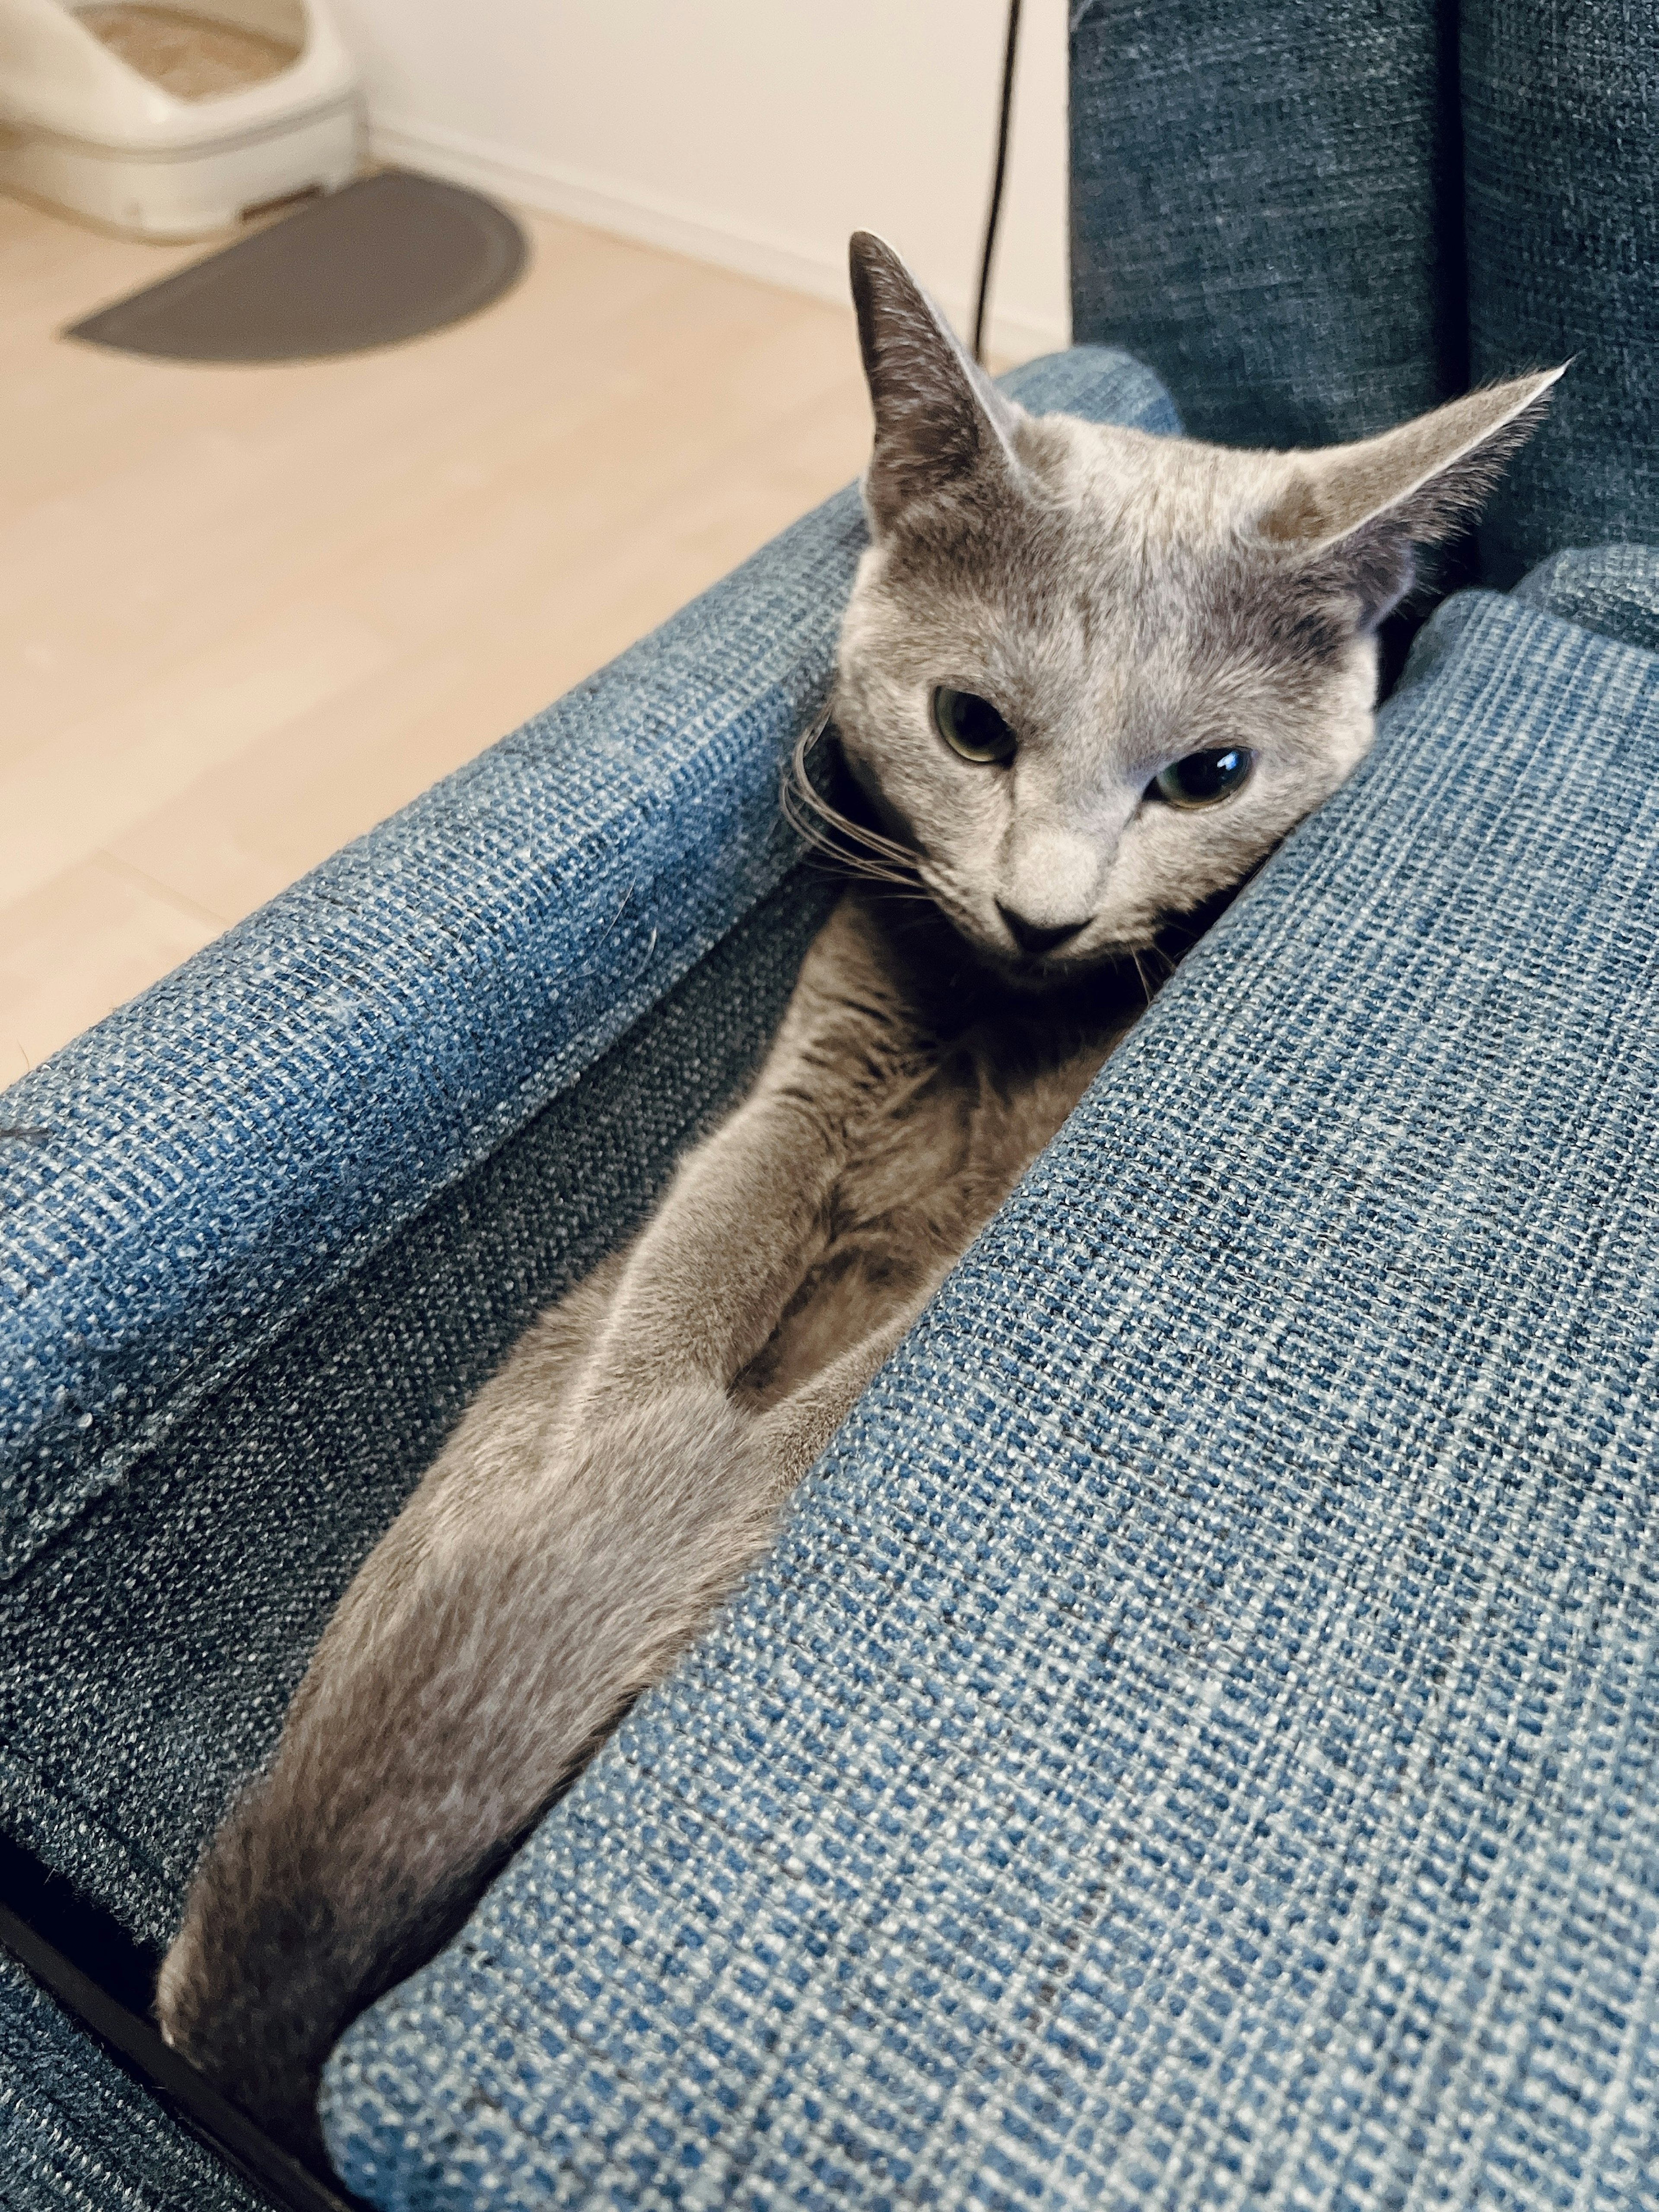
[{"x": 171, "y": 121}]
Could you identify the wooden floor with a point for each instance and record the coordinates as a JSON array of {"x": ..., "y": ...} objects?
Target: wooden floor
[{"x": 246, "y": 613}]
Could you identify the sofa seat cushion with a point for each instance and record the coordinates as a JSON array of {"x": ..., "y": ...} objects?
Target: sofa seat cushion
[{"x": 1193, "y": 1741}]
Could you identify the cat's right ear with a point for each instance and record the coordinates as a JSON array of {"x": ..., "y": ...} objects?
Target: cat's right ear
[
  {"x": 1355, "y": 513},
  {"x": 939, "y": 419}
]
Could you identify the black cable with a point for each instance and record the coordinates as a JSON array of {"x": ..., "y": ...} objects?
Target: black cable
[{"x": 994, "y": 214}]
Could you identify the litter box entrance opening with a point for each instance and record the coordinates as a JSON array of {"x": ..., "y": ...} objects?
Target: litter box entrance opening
[{"x": 193, "y": 56}]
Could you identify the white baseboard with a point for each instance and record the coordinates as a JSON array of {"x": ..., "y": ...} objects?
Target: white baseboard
[{"x": 602, "y": 204}]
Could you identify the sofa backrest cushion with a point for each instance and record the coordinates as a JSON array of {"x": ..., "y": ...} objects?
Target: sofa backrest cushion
[{"x": 1314, "y": 220}]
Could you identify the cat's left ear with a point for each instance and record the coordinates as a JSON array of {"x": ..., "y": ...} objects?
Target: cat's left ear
[
  {"x": 1357, "y": 511},
  {"x": 940, "y": 422}
]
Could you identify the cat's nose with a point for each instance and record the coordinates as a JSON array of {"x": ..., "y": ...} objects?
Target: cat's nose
[{"x": 1034, "y": 938}]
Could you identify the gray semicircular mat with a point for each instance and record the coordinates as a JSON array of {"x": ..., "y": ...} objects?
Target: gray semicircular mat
[{"x": 386, "y": 259}]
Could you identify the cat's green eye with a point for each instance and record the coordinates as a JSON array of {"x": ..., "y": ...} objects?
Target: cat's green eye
[
  {"x": 971, "y": 727},
  {"x": 1202, "y": 779}
]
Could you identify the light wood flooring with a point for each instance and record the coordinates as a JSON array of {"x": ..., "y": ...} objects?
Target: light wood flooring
[{"x": 246, "y": 613}]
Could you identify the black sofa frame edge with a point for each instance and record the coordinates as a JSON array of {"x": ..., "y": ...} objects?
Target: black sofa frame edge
[{"x": 87, "y": 1961}]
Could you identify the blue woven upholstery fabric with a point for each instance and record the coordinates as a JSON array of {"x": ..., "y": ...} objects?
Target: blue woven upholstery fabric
[
  {"x": 1265, "y": 207},
  {"x": 1560, "y": 107},
  {"x": 1194, "y": 1743},
  {"x": 215, "y": 1156},
  {"x": 77, "y": 2135},
  {"x": 1613, "y": 589}
]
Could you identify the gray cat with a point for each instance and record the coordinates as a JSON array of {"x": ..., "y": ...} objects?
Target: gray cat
[{"x": 1087, "y": 680}]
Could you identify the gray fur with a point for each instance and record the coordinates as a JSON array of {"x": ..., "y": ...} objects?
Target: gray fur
[{"x": 1123, "y": 600}]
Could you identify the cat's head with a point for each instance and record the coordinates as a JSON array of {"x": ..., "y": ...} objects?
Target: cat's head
[{"x": 1089, "y": 677}]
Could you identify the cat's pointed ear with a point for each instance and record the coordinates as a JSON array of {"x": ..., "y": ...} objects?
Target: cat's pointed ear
[
  {"x": 1359, "y": 510},
  {"x": 939, "y": 419}
]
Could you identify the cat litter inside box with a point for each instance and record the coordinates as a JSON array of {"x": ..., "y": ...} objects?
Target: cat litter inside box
[
  {"x": 170, "y": 122},
  {"x": 188, "y": 55}
]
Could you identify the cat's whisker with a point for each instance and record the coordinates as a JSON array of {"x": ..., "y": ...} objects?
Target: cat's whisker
[
  {"x": 845, "y": 860},
  {"x": 851, "y": 844},
  {"x": 1161, "y": 951},
  {"x": 823, "y": 826}
]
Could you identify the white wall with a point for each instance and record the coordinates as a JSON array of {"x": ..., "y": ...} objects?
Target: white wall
[{"x": 753, "y": 133}]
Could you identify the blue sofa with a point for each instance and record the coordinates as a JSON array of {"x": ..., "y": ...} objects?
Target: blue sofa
[{"x": 1194, "y": 1743}]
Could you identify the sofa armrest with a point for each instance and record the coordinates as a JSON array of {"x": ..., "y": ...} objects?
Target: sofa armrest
[
  {"x": 1193, "y": 1741},
  {"x": 180, "y": 1181}
]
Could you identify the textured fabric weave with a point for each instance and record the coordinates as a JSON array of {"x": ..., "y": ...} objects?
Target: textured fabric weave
[
  {"x": 1265, "y": 207},
  {"x": 1194, "y": 1744},
  {"x": 220, "y": 1152},
  {"x": 1560, "y": 121},
  {"x": 77, "y": 2135},
  {"x": 1613, "y": 589}
]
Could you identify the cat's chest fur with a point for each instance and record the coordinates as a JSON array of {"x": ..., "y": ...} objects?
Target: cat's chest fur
[{"x": 959, "y": 1085}]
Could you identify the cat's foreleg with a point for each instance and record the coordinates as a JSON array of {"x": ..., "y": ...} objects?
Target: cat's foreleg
[
  {"x": 747, "y": 1215},
  {"x": 790, "y": 1435},
  {"x": 508, "y": 1645}
]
